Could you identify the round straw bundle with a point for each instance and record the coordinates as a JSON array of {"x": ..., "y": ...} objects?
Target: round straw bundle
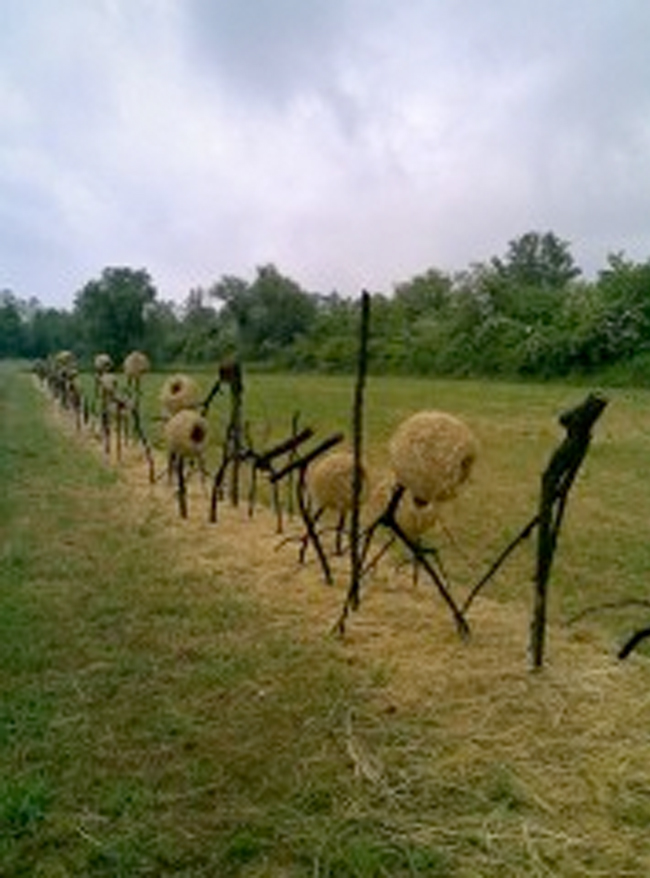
[
  {"x": 329, "y": 481},
  {"x": 179, "y": 392},
  {"x": 65, "y": 359},
  {"x": 136, "y": 364},
  {"x": 432, "y": 454},
  {"x": 65, "y": 365},
  {"x": 415, "y": 518},
  {"x": 102, "y": 363},
  {"x": 186, "y": 433}
]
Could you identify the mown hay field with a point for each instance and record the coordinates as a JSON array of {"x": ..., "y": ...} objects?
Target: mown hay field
[
  {"x": 175, "y": 703},
  {"x": 604, "y": 550}
]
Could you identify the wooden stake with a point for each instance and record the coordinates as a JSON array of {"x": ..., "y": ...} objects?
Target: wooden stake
[
  {"x": 182, "y": 488},
  {"x": 556, "y": 483},
  {"x": 356, "y": 555},
  {"x": 237, "y": 392}
]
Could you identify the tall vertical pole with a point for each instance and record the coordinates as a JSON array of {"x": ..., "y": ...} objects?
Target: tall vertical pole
[
  {"x": 236, "y": 394},
  {"x": 356, "y": 554}
]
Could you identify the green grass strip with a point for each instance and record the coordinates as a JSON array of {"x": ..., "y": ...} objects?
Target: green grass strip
[{"x": 144, "y": 728}]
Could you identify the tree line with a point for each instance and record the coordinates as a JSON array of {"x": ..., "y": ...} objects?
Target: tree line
[{"x": 527, "y": 313}]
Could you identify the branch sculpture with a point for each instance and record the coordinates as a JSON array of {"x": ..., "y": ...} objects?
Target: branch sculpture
[
  {"x": 300, "y": 466},
  {"x": 557, "y": 480}
]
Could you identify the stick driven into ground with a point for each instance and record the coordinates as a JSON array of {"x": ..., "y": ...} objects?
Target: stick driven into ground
[
  {"x": 483, "y": 581},
  {"x": 356, "y": 555},
  {"x": 557, "y": 480},
  {"x": 388, "y": 519},
  {"x": 264, "y": 462},
  {"x": 233, "y": 448},
  {"x": 637, "y": 638},
  {"x": 301, "y": 465}
]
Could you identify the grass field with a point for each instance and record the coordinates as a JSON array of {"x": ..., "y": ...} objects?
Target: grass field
[
  {"x": 605, "y": 548},
  {"x": 173, "y": 702}
]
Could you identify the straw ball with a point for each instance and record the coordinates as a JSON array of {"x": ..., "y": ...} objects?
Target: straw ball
[
  {"x": 65, "y": 359},
  {"x": 186, "y": 433},
  {"x": 415, "y": 518},
  {"x": 179, "y": 392},
  {"x": 136, "y": 364},
  {"x": 329, "y": 481},
  {"x": 432, "y": 453},
  {"x": 65, "y": 365},
  {"x": 103, "y": 363}
]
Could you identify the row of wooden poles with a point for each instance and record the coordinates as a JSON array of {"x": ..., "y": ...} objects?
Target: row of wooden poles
[{"x": 285, "y": 460}]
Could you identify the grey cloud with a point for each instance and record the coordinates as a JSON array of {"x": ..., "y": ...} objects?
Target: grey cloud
[
  {"x": 269, "y": 49},
  {"x": 345, "y": 140}
]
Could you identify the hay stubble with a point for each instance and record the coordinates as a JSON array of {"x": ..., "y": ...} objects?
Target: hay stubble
[{"x": 548, "y": 773}]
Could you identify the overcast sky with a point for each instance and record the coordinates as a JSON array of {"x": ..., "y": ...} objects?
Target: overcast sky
[{"x": 353, "y": 143}]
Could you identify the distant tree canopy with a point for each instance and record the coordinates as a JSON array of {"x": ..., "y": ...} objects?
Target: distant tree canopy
[
  {"x": 12, "y": 330},
  {"x": 111, "y": 311},
  {"x": 526, "y": 313},
  {"x": 265, "y": 317}
]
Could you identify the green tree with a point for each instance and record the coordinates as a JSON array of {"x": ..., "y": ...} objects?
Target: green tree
[
  {"x": 50, "y": 330},
  {"x": 236, "y": 311},
  {"x": 530, "y": 282},
  {"x": 620, "y": 321},
  {"x": 268, "y": 315},
  {"x": 424, "y": 295},
  {"x": 537, "y": 260},
  {"x": 111, "y": 311},
  {"x": 163, "y": 333},
  {"x": 203, "y": 340},
  {"x": 12, "y": 329},
  {"x": 330, "y": 343}
]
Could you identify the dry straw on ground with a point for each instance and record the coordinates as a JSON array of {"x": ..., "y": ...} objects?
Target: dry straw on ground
[
  {"x": 432, "y": 454},
  {"x": 186, "y": 434},
  {"x": 472, "y": 751},
  {"x": 179, "y": 392}
]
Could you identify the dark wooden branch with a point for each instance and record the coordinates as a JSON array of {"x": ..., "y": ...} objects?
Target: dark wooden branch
[
  {"x": 263, "y": 461},
  {"x": 483, "y": 581},
  {"x": 295, "y": 420},
  {"x": 217, "y": 484},
  {"x": 356, "y": 552},
  {"x": 182, "y": 487},
  {"x": 304, "y": 461},
  {"x": 605, "y": 606},
  {"x": 556, "y": 483},
  {"x": 301, "y": 465},
  {"x": 379, "y": 554},
  {"x": 421, "y": 557},
  {"x": 388, "y": 520},
  {"x": 233, "y": 448},
  {"x": 139, "y": 432},
  {"x": 118, "y": 428},
  {"x": 207, "y": 402},
  {"x": 637, "y": 638},
  {"x": 310, "y": 525},
  {"x": 235, "y": 428}
]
